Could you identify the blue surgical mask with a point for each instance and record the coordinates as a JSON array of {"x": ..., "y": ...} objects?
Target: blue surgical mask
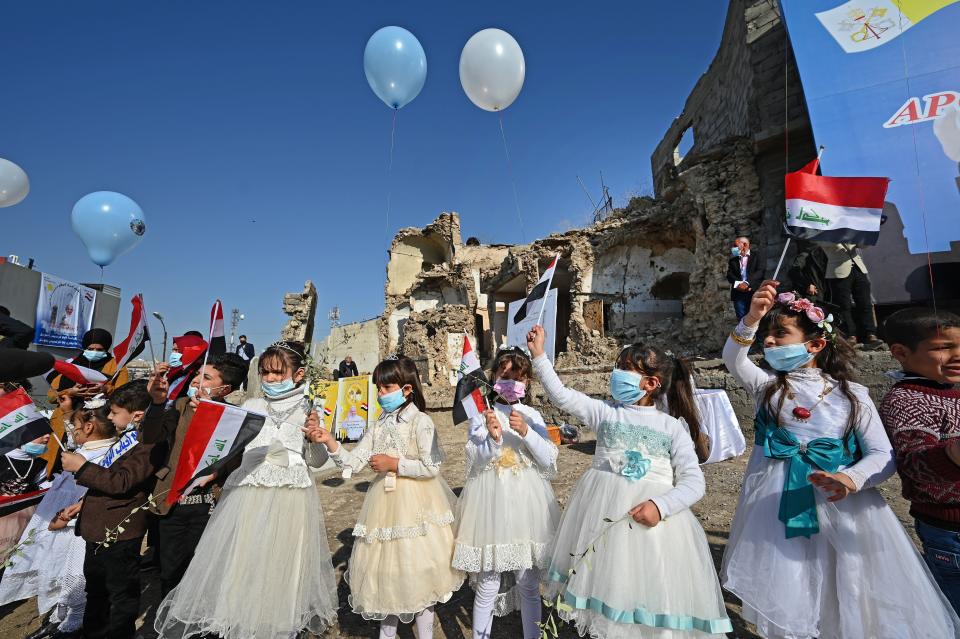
[
  {"x": 176, "y": 359},
  {"x": 787, "y": 357},
  {"x": 274, "y": 389},
  {"x": 625, "y": 386},
  {"x": 33, "y": 449},
  {"x": 391, "y": 401},
  {"x": 192, "y": 392},
  {"x": 94, "y": 356},
  {"x": 735, "y": 251}
]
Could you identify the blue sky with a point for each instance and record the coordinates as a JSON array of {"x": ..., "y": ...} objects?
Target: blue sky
[{"x": 247, "y": 133}]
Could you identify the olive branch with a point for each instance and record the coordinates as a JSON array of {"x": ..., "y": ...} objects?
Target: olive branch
[
  {"x": 548, "y": 628},
  {"x": 111, "y": 535},
  {"x": 17, "y": 551}
]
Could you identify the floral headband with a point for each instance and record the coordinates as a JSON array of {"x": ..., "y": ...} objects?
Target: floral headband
[{"x": 814, "y": 313}]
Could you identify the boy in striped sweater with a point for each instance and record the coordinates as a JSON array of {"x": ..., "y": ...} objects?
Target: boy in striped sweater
[{"x": 922, "y": 416}]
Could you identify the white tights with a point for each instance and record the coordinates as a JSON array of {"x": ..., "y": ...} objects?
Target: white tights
[
  {"x": 423, "y": 619},
  {"x": 488, "y": 585}
]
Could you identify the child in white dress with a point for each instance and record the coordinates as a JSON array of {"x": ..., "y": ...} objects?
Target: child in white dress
[
  {"x": 262, "y": 568},
  {"x": 400, "y": 564},
  {"x": 630, "y": 559},
  {"x": 51, "y": 568},
  {"x": 814, "y": 550},
  {"x": 507, "y": 514}
]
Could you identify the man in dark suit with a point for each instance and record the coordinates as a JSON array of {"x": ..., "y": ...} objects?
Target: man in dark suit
[{"x": 745, "y": 272}]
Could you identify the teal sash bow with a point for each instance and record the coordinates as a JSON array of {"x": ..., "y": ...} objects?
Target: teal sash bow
[{"x": 798, "y": 505}]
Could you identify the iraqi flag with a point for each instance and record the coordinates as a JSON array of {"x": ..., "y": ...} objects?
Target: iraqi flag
[
  {"x": 20, "y": 421},
  {"x": 834, "y": 209},
  {"x": 218, "y": 342},
  {"x": 469, "y": 400},
  {"x": 129, "y": 348},
  {"x": 217, "y": 434},
  {"x": 535, "y": 299},
  {"x": 191, "y": 350},
  {"x": 78, "y": 374}
]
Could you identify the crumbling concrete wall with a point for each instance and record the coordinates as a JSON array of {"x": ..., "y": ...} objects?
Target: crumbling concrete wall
[{"x": 302, "y": 309}]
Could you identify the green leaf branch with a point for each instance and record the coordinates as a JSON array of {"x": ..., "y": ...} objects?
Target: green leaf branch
[
  {"x": 111, "y": 535},
  {"x": 17, "y": 551},
  {"x": 548, "y": 628}
]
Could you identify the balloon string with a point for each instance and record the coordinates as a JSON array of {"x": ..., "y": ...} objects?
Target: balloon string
[
  {"x": 393, "y": 133},
  {"x": 513, "y": 180}
]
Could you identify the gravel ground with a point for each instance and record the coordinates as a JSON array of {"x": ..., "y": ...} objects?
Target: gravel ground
[{"x": 341, "y": 503}]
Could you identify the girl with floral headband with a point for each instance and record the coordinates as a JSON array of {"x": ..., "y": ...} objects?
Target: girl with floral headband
[{"x": 814, "y": 550}]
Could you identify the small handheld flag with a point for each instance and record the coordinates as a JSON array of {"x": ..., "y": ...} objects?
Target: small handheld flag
[
  {"x": 469, "y": 399},
  {"x": 139, "y": 334},
  {"x": 217, "y": 434},
  {"x": 218, "y": 342},
  {"x": 20, "y": 421},
  {"x": 79, "y": 374},
  {"x": 537, "y": 294}
]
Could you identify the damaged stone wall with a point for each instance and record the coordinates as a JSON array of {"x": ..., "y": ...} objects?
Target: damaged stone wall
[
  {"x": 651, "y": 271},
  {"x": 302, "y": 309}
]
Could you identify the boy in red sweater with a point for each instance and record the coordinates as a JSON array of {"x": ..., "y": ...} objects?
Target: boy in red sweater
[{"x": 922, "y": 416}]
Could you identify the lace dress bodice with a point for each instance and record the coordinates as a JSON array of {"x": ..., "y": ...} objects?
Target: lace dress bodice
[
  {"x": 405, "y": 433},
  {"x": 278, "y": 456}
]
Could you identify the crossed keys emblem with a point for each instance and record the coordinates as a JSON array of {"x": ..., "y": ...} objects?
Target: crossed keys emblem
[{"x": 866, "y": 25}]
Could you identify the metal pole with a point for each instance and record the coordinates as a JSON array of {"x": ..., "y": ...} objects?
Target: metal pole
[{"x": 160, "y": 317}]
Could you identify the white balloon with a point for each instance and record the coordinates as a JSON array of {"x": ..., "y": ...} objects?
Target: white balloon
[
  {"x": 492, "y": 69},
  {"x": 14, "y": 184}
]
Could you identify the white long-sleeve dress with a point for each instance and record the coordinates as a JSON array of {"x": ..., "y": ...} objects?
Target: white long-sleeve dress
[
  {"x": 859, "y": 575},
  {"x": 507, "y": 514},
  {"x": 634, "y": 581},
  {"x": 262, "y": 568},
  {"x": 51, "y": 567},
  {"x": 401, "y": 559}
]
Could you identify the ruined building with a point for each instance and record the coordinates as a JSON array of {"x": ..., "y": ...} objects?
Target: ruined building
[{"x": 654, "y": 269}]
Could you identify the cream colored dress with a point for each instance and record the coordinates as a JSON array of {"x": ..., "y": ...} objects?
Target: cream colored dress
[{"x": 401, "y": 559}]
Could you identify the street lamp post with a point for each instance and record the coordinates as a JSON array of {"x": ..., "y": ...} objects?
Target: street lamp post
[
  {"x": 160, "y": 317},
  {"x": 235, "y": 317}
]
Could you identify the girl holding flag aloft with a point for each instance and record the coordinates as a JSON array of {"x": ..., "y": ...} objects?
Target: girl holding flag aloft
[
  {"x": 507, "y": 514},
  {"x": 262, "y": 567},
  {"x": 400, "y": 565},
  {"x": 814, "y": 550}
]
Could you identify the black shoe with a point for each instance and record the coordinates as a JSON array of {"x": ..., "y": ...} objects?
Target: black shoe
[
  {"x": 872, "y": 343},
  {"x": 46, "y": 631}
]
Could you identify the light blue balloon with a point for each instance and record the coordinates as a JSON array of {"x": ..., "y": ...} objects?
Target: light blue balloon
[
  {"x": 395, "y": 65},
  {"x": 109, "y": 224}
]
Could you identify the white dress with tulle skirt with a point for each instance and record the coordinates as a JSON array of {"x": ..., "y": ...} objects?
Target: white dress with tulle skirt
[
  {"x": 262, "y": 569},
  {"x": 847, "y": 570},
  {"x": 617, "y": 578},
  {"x": 400, "y": 564},
  {"x": 507, "y": 513}
]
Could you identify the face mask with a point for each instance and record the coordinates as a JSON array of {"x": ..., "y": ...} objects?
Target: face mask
[
  {"x": 176, "y": 359},
  {"x": 787, "y": 357},
  {"x": 94, "y": 356},
  {"x": 735, "y": 251},
  {"x": 273, "y": 389},
  {"x": 625, "y": 386},
  {"x": 510, "y": 390},
  {"x": 391, "y": 401},
  {"x": 192, "y": 392},
  {"x": 33, "y": 449}
]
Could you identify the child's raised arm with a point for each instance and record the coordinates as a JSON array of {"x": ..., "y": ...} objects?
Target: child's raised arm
[
  {"x": 590, "y": 410},
  {"x": 735, "y": 351}
]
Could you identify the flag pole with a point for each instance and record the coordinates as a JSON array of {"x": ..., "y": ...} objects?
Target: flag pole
[
  {"x": 153, "y": 356},
  {"x": 59, "y": 443},
  {"x": 786, "y": 246},
  {"x": 543, "y": 304},
  {"x": 206, "y": 353}
]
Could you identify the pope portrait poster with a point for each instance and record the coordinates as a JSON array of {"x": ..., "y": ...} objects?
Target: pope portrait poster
[{"x": 64, "y": 312}]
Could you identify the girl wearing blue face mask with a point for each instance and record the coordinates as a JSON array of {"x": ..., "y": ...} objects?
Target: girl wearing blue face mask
[
  {"x": 507, "y": 514},
  {"x": 262, "y": 567},
  {"x": 814, "y": 550},
  {"x": 21, "y": 471},
  {"x": 652, "y": 574},
  {"x": 400, "y": 565}
]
